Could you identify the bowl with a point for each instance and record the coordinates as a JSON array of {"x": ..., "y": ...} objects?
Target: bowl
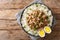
[{"x": 19, "y": 16}]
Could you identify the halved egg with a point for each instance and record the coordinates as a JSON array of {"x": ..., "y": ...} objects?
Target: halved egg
[
  {"x": 41, "y": 33},
  {"x": 47, "y": 29}
]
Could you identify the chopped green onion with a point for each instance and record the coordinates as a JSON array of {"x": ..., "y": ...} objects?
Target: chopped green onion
[
  {"x": 44, "y": 7},
  {"x": 50, "y": 15},
  {"x": 28, "y": 30},
  {"x": 30, "y": 8},
  {"x": 47, "y": 17},
  {"x": 25, "y": 26},
  {"x": 41, "y": 20},
  {"x": 48, "y": 21},
  {"x": 34, "y": 28},
  {"x": 37, "y": 5},
  {"x": 35, "y": 32}
]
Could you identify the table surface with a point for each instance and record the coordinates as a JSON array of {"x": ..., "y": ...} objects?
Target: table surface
[{"x": 9, "y": 28}]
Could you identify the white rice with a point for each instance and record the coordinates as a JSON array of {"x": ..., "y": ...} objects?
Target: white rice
[{"x": 29, "y": 10}]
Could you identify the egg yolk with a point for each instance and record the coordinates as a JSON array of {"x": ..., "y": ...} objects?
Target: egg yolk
[{"x": 41, "y": 33}]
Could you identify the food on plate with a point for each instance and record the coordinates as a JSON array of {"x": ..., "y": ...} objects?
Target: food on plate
[{"x": 35, "y": 17}]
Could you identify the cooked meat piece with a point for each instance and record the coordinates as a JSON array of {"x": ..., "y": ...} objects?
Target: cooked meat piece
[
  {"x": 37, "y": 19},
  {"x": 45, "y": 22},
  {"x": 44, "y": 16}
]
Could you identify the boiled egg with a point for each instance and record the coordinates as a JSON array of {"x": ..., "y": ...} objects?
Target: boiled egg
[
  {"x": 47, "y": 29},
  {"x": 41, "y": 33}
]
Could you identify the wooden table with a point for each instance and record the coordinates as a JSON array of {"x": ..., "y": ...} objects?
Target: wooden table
[{"x": 10, "y": 30}]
